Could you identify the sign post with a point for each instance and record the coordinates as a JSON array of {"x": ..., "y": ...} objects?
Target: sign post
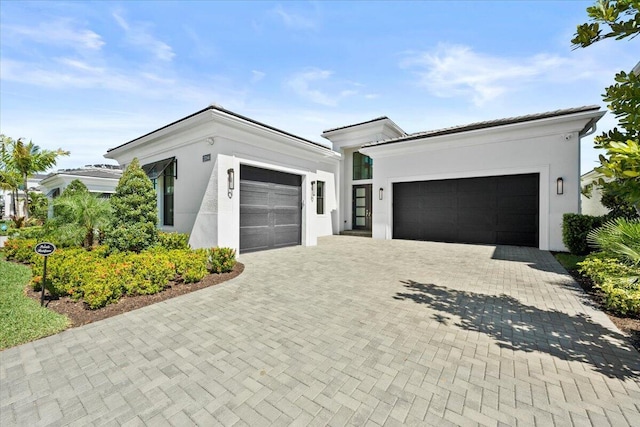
[{"x": 45, "y": 249}]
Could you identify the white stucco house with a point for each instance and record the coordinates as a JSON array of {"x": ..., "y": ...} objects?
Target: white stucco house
[
  {"x": 592, "y": 205},
  {"x": 99, "y": 179},
  {"x": 228, "y": 180},
  {"x": 12, "y": 206}
]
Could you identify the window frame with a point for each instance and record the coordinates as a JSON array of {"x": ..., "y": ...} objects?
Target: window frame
[
  {"x": 362, "y": 164},
  {"x": 320, "y": 196},
  {"x": 168, "y": 194}
]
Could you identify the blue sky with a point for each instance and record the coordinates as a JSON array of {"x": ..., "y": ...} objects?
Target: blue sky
[{"x": 87, "y": 76}]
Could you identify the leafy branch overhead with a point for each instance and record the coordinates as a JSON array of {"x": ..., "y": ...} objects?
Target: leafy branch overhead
[
  {"x": 621, "y": 163},
  {"x": 621, "y": 17}
]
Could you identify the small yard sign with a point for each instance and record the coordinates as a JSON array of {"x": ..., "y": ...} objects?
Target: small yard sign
[{"x": 45, "y": 249}]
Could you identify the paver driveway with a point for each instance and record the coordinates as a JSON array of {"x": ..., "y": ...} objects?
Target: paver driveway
[{"x": 353, "y": 331}]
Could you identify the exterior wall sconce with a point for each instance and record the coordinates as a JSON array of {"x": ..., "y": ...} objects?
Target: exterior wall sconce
[
  {"x": 559, "y": 185},
  {"x": 231, "y": 182},
  {"x": 380, "y": 193},
  {"x": 313, "y": 189}
]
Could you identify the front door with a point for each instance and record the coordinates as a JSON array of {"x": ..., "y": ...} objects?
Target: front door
[{"x": 362, "y": 207}]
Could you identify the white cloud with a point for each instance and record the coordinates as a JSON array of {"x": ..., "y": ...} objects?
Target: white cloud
[
  {"x": 315, "y": 85},
  {"x": 256, "y": 76},
  {"x": 139, "y": 35},
  {"x": 62, "y": 32},
  {"x": 458, "y": 71},
  {"x": 294, "y": 20}
]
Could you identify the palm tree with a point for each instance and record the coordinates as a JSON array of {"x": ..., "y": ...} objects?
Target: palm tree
[
  {"x": 28, "y": 159},
  {"x": 83, "y": 211},
  {"x": 9, "y": 178}
]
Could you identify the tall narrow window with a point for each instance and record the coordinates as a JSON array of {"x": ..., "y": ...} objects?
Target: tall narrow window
[
  {"x": 168, "y": 177},
  {"x": 320, "y": 197},
  {"x": 362, "y": 166}
]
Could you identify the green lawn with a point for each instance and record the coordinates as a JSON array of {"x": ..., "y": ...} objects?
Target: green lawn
[
  {"x": 22, "y": 319},
  {"x": 569, "y": 261}
]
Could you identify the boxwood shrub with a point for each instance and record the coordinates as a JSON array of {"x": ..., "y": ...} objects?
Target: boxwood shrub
[
  {"x": 618, "y": 281},
  {"x": 575, "y": 228},
  {"x": 100, "y": 278},
  {"x": 222, "y": 260}
]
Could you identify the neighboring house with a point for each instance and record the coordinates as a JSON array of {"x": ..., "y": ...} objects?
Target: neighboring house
[
  {"x": 592, "y": 205},
  {"x": 99, "y": 179},
  {"x": 9, "y": 205},
  {"x": 231, "y": 181}
]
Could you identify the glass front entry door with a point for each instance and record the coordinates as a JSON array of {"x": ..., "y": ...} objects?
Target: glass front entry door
[{"x": 362, "y": 207}]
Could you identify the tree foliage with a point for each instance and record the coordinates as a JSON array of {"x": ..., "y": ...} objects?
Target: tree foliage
[
  {"x": 621, "y": 163},
  {"x": 26, "y": 159},
  {"x": 621, "y": 17},
  {"x": 135, "y": 212},
  {"x": 80, "y": 216},
  {"x": 74, "y": 187}
]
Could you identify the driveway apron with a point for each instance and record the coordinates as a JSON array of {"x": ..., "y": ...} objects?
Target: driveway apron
[{"x": 353, "y": 331}]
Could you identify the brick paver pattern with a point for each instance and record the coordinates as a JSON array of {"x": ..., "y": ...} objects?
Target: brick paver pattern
[{"x": 353, "y": 331}]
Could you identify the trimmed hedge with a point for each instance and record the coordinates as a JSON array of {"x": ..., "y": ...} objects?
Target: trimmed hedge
[
  {"x": 619, "y": 282},
  {"x": 100, "y": 279},
  {"x": 575, "y": 228}
]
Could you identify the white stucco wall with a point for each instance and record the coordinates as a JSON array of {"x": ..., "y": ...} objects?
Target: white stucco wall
[{"x": 548, "y": 148}]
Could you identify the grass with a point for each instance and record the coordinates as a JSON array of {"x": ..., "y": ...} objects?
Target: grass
[
  {"x": 22, "y": 319},
  {"x": 569, "y": 261}
]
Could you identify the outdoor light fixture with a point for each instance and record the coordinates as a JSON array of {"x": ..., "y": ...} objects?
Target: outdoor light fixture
[
  {"x": 380, "y": 192},
  {"x": 231, "y": 178},
  {"x": 313, "y": 189},
  {"x": 559, "y": 186}
]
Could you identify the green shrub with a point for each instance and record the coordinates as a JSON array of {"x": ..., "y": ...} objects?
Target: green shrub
[
  {"x": 171, "y": 241},
  {"x": 150, "y": 272},
  {"x": 103, "y": 288},
  {"x": 191, "y": 265},
  {"x": 622, "y": 295},
  {"x": 36, "y": 232},
  {"x": 600, "y": 266},
  {"x": 617, "y": 280},
  {"x": 221, "y": 260},
  {"x": 68, "y": 270},
  {"x": 21, "y": 250},
  {"x": 575, "y": 228},
  {"x": 135, "y": 212}
]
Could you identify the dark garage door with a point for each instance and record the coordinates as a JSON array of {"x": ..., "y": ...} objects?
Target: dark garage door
[
  {"x": 270, "y": 209},
  {"x": 499, "y": 210}
]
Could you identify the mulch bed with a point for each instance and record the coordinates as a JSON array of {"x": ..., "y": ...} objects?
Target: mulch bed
[
  {"x": 80, "y": 314},
  {"x": 628, "y": 325}
]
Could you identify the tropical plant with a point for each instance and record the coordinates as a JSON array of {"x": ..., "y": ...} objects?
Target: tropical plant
[
  {"x": 27, "y": 159},
  {"x": 619, "y": 20},
  {"x": 619, "y": 238},
  {"x": 83, "y": 214},
  {"x": 38, "y": 207},
  {"x": 135, "y": 213}
]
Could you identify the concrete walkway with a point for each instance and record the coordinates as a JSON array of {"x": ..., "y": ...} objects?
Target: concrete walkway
[{"x": 351, "y": 332}]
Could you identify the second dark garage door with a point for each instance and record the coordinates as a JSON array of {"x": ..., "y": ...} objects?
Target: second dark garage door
[
  {"x": 499, "y": 210},
  {"x": 270, "y": 209}
]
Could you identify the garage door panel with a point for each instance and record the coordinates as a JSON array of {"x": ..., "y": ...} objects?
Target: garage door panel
[
  {"x": 493, "y": 210},
  {"x": 254, "y": 194},
  {"x": 523, "y": 223},
  {"x": 254, "y": 239},
  {"x": 475, "y": 201},
  {"x": 270, "y": 209},
  {"x": 476, "y": 236}
]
